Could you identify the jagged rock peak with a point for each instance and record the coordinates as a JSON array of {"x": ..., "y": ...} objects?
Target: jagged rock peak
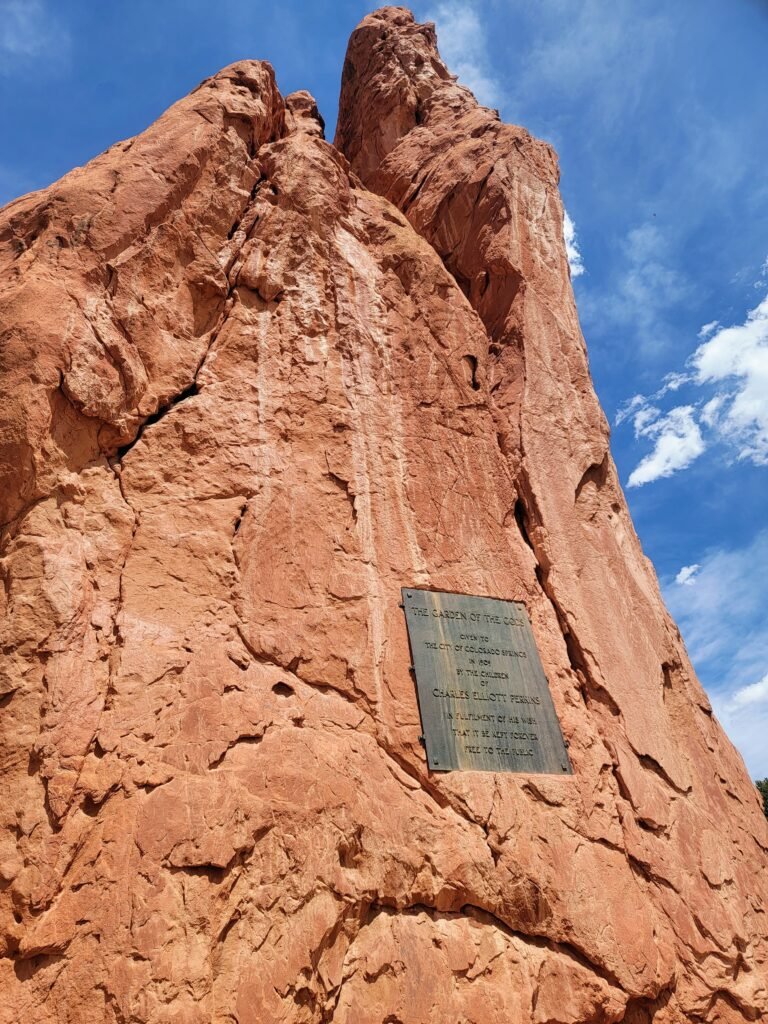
[
  {"x": 393, "y": 59},
  {"x": 303, "y": 114}
]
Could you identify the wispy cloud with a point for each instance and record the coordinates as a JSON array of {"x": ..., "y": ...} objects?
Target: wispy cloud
[
  {"x": 640, "y": 407},
  {"x": 575, "y": 261},
  {"x": 744, "y": 716},
  {"x": 30, "y": 29},
  {"x": 463, "y": 47},
  {"x": 596, "y": 51},
  {"x": 647, "y": 287},
  {"x": 721, "y": 612}
]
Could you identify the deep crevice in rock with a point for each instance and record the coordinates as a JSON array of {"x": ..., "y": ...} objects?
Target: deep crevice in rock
[{"x": 182, "y": 396}]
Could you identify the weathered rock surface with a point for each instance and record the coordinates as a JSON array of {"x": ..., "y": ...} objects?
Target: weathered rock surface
[{"x": 243, "y": 399}]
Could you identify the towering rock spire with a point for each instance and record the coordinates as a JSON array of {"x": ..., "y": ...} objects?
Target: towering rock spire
[
  {"x": 484, "y": 195},
  {"x": 250, "y": 385}
]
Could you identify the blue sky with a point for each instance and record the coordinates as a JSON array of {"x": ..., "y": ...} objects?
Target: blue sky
[{"x": 658, "y": 111}]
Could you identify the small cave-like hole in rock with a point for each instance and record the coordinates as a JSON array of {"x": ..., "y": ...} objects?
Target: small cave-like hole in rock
[
  {"x": 283, "y": 690},
  {"x": 470, "y": 363}
]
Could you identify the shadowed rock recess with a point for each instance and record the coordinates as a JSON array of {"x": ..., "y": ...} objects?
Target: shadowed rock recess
[{"x": 251, "y": 384}]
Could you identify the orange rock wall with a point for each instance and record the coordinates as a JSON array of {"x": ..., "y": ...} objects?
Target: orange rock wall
[{"x": 251, "y": 384}]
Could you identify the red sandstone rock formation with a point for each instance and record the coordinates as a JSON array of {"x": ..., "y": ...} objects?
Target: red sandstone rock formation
[{"x": 244, "y": 399}]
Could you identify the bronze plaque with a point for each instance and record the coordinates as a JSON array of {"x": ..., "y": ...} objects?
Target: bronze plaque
[{"x": 483, "y": 697}]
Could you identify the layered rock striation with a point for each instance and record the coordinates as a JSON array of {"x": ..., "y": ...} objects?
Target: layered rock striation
[{"x": 251, "y": 384}]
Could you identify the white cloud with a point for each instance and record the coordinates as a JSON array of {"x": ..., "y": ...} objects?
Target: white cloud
[
  {"x": 707, "y": 329},
  {"x": 755, "y": 693},
  {"x": 639, "y": 407},
  {"x": 461, "y": 40},
  {"x": 28, "y": 30},
  {"x": 710, "y": 412},
  {"x": 734, "y": 362},
  {"x": 739, "y": 356},
  {"x": 678, "y": 442},
  {"x": 643, "y": 418},
  {"x": 672, "y": 382},
  {"x": 722, "y": 619},
  {"x": 687, "y": 575},
  {"x": 572, "y": 250}
]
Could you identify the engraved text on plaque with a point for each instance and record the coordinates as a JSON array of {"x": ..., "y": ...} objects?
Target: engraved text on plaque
[{"x": 484, "y": 699}]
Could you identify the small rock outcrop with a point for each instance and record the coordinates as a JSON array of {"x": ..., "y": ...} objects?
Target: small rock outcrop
[{"x": 251, "y": 383}]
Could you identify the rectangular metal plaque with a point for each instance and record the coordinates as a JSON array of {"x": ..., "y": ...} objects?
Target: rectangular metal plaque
[{"x": 484, "y": 699}]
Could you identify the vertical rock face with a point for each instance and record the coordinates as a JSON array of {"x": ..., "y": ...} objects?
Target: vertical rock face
[{"x": 251, "y": 384}]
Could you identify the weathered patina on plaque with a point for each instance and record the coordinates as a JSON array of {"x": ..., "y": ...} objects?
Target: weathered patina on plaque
[{"x": 484, "y": 699}]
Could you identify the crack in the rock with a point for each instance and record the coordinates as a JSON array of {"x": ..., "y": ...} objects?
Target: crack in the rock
[
  {"x": 483, "y": 916},
  {"x": 156, "y": 416},
  {"x": 228, "y": 304},
  {"x": 579, "y": 662},
  {"x": 117, "y": 639},
  {"x": 645, "y": 870},
  {"x": 650, "y": 764},
  {"x": 219, "y": 873},
  {"x": 253, "y": 738}
]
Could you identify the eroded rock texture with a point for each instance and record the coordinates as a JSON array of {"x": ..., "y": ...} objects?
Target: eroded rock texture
[{"x": 251, "y": 384}]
